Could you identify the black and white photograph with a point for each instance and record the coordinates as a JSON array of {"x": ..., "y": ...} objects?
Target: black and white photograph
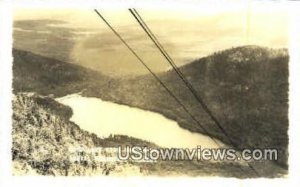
[{"x": 151, "y": 92}]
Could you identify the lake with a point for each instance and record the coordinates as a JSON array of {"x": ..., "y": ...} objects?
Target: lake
[{"x": 107, "y": 118}]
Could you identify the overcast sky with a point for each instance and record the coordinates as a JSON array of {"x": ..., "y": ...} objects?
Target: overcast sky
[{"x": 79, "y": 36}]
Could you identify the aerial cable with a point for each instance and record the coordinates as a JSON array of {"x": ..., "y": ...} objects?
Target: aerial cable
[
  {"x": 178, "y": 71},
  {"x": 155, "y": 76}
]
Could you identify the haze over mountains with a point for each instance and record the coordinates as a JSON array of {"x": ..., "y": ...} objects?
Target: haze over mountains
[{"x": 80, "y": 37}]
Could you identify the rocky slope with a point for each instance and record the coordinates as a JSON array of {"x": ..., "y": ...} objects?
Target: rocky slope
[{"x": 44, "y": 140}]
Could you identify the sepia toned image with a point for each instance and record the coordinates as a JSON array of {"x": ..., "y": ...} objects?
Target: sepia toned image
[{"x": 150, "y": 92}]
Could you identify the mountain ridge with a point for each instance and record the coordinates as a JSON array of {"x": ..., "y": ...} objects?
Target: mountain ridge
[{"x": 248, "y": 96}]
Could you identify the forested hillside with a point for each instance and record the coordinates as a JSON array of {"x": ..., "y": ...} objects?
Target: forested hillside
[{"x": 246, "y": 88}]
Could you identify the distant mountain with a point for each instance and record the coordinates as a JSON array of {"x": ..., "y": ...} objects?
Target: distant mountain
[
  {"x": 46, "y": 76},
  {"x": 246, "y": 88}
]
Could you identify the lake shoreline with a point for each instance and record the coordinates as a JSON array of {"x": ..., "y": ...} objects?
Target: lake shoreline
[{"x": 161, "y": 131}]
